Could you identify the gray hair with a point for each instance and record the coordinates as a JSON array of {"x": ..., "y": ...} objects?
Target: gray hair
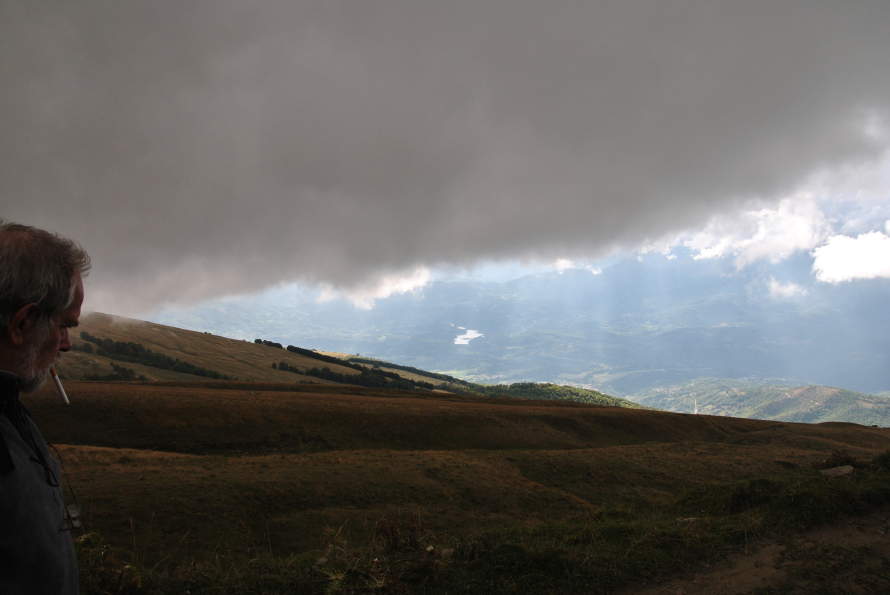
[{"x": 37, "y": 267}]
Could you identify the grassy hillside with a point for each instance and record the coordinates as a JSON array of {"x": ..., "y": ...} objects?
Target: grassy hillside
[
  {"x": 115, "y": 348},
  {"x": 280, "y": 481},
  {"x": 239, "y": 487},
  {"x": 758, "y": 400},
  {"x": 238, "y": 359},
  {"x": 234, "y": 417},
  {"x": 555, "y": 392},
  {"x": 545, "y": 391}
]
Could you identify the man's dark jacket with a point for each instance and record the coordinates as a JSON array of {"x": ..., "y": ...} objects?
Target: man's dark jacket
[{"x": 36, "y": 549}]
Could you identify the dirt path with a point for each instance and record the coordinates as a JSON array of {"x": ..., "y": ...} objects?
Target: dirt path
[{"x": 852, "y": 556}]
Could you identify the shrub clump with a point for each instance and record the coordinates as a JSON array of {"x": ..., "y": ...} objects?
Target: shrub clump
[
  {"x": 838, "y": 458},
  {"x": 882, "y": 461}
]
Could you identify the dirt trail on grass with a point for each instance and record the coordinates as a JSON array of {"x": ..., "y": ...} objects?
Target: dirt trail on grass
[{"x": 851, "y": 556}]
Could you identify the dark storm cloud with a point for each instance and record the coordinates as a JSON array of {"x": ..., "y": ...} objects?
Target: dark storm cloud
[{"x": 198, "y": 148}]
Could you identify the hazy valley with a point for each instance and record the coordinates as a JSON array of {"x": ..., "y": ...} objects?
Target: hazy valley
[
  {"x": 663, "y": 333},
  {"x": 636, "y": 326}
]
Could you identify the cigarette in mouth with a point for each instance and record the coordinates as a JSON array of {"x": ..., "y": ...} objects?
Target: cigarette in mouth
[{"x": 59, "y": 387}]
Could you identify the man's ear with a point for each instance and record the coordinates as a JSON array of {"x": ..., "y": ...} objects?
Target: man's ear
[{"x": 22, "y": 323}]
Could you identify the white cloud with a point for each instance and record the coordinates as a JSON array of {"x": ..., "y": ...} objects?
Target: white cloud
[
  {"x": 856, "y": 197},
  {"x": 796, "y": 224},
  {"x": 779, "y": 290},
  {"x": 365, "y": 297},
  {"x": 468, "y": 336},
  {"x": 564, "y": 264},
  {"x": 663, "y": 246},
  {"x": 844, "y": 258},
  {"x": 847, "y": 200}
]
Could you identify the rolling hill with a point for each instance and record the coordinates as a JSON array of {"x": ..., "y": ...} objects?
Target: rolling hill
[
  {"x": 769, "y": 400},
  {"x": 229, "y": 357},
  {"x": 214, "y": 486},
  {"x": 114, "y": 348}
]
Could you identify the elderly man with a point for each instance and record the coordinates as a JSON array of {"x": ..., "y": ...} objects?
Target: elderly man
[{"x": 41, "y": 292}]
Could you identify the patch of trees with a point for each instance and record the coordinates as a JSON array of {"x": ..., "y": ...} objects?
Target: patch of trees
[
  {"x": 322, "y": 357},
  {"x": 118, "y": 373},
  {"x": 436, "y": 375},
  {"x": 286, "y": 367},
  {"x": 126, "y": 351},
  {"x": 370, "y": 377},
  {"x": 309, "y": 353},
  {"x": 313, "y": 354},
  {"x": 268, "y": 343},
  {"x": 366, "y": 378}
]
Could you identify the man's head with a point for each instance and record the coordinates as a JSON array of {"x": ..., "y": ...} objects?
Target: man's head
[{"x": 41, "y": 292}]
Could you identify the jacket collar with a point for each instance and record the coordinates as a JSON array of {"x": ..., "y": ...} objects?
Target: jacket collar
[{"x": 10, "y": 384}]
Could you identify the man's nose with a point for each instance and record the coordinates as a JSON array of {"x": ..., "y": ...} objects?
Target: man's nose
[{"x": 64, "y": 341}]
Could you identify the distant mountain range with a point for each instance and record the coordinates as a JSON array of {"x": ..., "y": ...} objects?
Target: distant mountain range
[{"x": 639, "y": 325}]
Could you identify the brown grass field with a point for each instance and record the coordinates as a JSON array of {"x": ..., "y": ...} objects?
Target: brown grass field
[{"x": 235, "y": 487}]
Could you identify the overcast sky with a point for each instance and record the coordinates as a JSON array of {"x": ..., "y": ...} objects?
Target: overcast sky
[{"x": 212, "y": 147}]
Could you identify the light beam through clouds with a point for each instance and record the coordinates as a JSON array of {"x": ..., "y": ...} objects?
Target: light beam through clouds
[
  {"x": 365, "y": 297},
  {"x": 216, "y": 147},
  {"x": 564, "y": 264}
]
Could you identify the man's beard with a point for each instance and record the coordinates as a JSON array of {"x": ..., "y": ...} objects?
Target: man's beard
[
  {"x": 34, "y": 381},
  {"x": 31, "y": 377}
]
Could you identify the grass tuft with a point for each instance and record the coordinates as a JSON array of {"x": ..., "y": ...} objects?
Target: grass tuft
[
  {"x": 882, "y": 461},
  {"x": 838, "y": 458}
]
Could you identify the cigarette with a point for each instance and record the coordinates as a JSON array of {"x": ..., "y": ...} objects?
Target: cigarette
[{"x": 59, "y": 387}]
